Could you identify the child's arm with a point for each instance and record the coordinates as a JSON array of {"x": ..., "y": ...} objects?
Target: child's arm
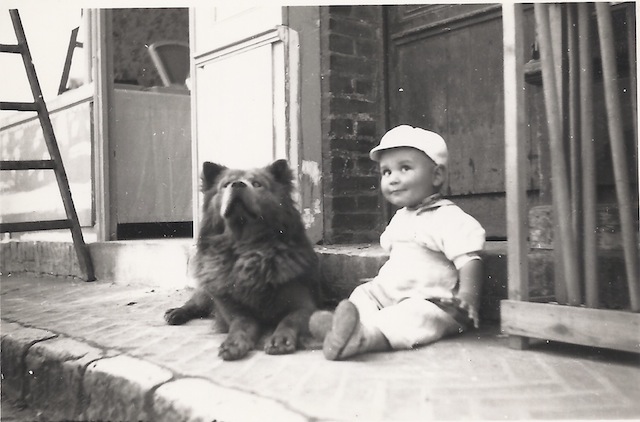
[{"x": 470, "y": 275}]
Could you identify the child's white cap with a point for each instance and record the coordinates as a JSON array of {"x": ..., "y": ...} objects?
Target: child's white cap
[{"x": 426, "y": 141}]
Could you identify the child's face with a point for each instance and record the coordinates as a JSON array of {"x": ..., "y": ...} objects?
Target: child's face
[{"x": 408, "y": 176}]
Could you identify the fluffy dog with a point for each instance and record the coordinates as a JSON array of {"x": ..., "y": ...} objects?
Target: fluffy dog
[{"x": 254, "y": 263}]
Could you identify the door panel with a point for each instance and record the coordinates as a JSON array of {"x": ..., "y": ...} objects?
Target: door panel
[
  {"x": 247, "y": 90},
  {"x": 445, "y": 74}
]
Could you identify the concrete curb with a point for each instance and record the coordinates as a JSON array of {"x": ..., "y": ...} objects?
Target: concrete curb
[{"x": 66, "y": 379}]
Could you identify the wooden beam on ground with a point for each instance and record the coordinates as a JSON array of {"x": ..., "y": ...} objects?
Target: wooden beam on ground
[{"x": 606, "y": 328}]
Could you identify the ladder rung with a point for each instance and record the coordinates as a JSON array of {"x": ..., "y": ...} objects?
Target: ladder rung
[
  {"x": 28, "y": 165},
  {"x": 16, "y": 106},
  {"x": 28, "y": 226},
  {"x": 10, "y": 48}
]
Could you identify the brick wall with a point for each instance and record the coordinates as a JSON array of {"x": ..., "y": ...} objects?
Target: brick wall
[{"x": 352, "y": 51}]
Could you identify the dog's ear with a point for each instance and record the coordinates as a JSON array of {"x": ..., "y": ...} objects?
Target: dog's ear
[
  {"x": 210, "y": 172},
  {"x": 281, "y": 171}
]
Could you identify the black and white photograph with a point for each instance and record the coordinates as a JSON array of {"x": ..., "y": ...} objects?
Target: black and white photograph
[{"x": 231, "y": 211}]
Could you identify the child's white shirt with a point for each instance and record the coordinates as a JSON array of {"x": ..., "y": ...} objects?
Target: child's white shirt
[{"x": 426, "y": 248}]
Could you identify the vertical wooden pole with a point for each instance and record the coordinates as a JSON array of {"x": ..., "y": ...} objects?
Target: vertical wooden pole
[
  {"x": 515, "y": 157},
  {"x": 87, "y": 45},
  {"x": 196, "y": 201},
  {"x": 618, "y": 152},
  {"x": 564, "y": 236},
  {"x": 633, "y": 77},
  {"x": 558, "y": 48},
  {"x": 590, "y": 258},
  {"x": 574, "y": 132},
  {"x": 102, "y": 66}
]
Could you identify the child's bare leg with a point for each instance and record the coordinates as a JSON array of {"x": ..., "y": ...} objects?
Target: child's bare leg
[{"x": 348, "y": 337}]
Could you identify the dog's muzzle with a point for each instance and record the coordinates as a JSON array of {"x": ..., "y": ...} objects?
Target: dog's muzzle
[{"x": 236, "y": 193}]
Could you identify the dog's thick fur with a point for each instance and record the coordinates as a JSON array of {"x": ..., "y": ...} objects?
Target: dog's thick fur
[{"x": 254, "y": 263}]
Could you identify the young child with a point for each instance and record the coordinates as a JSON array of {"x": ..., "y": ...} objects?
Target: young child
[{"x": 430, "y": 286}]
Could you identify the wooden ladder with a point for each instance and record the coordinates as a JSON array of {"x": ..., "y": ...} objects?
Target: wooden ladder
[{"x": 55, "y": 163}]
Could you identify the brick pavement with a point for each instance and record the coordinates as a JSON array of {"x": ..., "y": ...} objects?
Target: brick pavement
[{"x": 88, "y": 351}]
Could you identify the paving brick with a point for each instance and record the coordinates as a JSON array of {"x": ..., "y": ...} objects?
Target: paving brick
[
  {"x": 474, "y": 376},
  {"x": 451, "y": 408},
  {"x": 396, "y": 396},
  {"x": 16, "y": 341},
  {"x": 192, "y": 399},
  {"x": 55, "y": 369},
  {"x": 115, "y": 388}
]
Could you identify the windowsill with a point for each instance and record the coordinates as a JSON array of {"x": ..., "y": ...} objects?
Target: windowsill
[{"x": 62, "y": 101}]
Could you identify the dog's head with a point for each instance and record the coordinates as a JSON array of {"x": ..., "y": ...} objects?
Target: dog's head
[{"x": 242, "y": 199}]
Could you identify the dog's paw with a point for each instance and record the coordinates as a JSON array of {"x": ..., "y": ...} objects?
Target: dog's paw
[
  {"x": 234, "y": 347},
  {"x": 281, "y": 343},
  {"x": 176, "y": 316}
]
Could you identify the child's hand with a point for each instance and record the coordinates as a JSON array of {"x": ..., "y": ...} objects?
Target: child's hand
[
  {"x": 466, "y": 302},
  {"x": 468, "y": 293}
]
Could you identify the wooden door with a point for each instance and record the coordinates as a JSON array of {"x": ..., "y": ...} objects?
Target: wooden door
[
  {"x": 246, "y": 102},
  {"x": 445, "y": 74}
]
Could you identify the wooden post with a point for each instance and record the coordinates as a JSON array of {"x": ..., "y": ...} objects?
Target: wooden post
[
  {"x": 560, "y": 190},
  {"x": 102, "y": 68},
  {"x": 515, "y": 158},
  {"x": 633, "y": 77},
  {"x": 590, "y": 253},
  {"x": 557, "y": 29},
  {"x": 618, "y": 152},
  {"x": 574, "y": 131}
]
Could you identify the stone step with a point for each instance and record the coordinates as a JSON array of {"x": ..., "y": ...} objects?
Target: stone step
[
  {"x": 161, "y": 263},
  {"x": 346, "y": 266},
  {"x": 164, "y": 264}
]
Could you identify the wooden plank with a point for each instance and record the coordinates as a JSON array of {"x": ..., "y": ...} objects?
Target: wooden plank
[
  {"x": 303, "y": 20},
  {"x": 28, "y": 226},
  {"x": 152, "y": 184},
  {"x": 101, "y": 34},
  {"x": 515, "y": 158},
  {"x": 574, "y": 127},
  {"x": 483, "y": 208},
  {"x": 515, "y": 151},
  {"x": 195, "y": 161},
  {"x": 18, "y": 106},
  {"x": 67, "y": 63},
  {"x": 589, "y": 180},
  {"x": 10, "y": 48},
  {"x": 633, "y": 76},
  {"x": 28, "y": 165},
  {"x": 605, "y": 328}
]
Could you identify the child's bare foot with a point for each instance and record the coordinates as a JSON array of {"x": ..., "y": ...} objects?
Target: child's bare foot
[
  {"x": 320, "y": 324},
  {"x": 344, "y": 330},
  {"x": 348, "y": 337}
]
